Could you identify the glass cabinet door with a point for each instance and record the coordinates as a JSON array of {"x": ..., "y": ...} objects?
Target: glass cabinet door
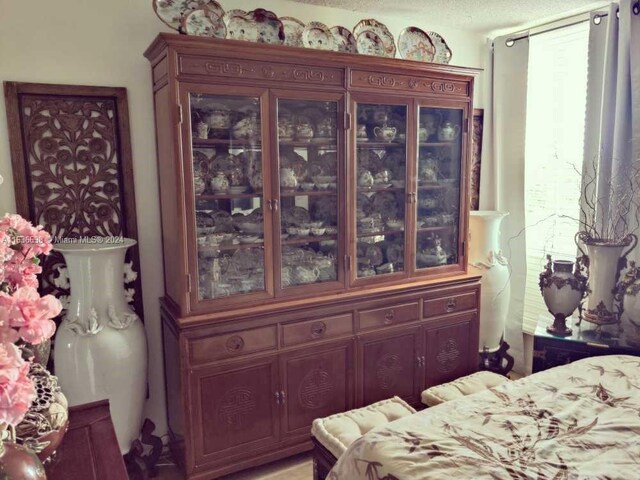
[
  {"x": 380, "y": 177},
  {"x": 228, "y": 194},
  {"x": 438, "y": 190},
  {"x": 309, "y": 179}
]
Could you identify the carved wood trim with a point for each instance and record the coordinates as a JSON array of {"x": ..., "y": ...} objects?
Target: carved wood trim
[
  {"x": 231, "y": 68},
  {"x": 392, "y": 81},
  {"x": 72, "y": 166}
]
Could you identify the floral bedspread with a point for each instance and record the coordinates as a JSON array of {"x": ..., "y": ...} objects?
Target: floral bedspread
[{"x": 578, "y": 421}]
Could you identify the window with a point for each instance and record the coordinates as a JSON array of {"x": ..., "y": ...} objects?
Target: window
[{"x": 556, "y": 98}]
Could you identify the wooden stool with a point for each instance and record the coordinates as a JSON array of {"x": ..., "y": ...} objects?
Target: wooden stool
[
  {"x": 461, "y": 387},
  {"x": 332, "y": 435}
]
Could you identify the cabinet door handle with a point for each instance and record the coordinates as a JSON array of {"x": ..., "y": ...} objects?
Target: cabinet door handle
[
  {"x": 388, "y": 317},
  {"x": 283, "y": 397},
  {"x": 275, "y": 205},
  {"x": 423, "y": 360},
  {"x": 270, "y": 204},
  {"x": 277, "y": 395},
  {"x": 451, "y": 305},
  {"x": 318, "y": 329}
]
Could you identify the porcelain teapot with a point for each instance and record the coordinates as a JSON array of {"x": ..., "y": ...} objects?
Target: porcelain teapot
[
  {"x": 304, "y": 132},
  {"x": 385, "y": 133},
  {"x": 327, "y": 127},
  {"x": 219, "y": 183},
  {"x": 448, "y": 132},
  {"x": 288, "y": 178},
  {"x": 306, "y": 274},
  {"x": 428, "y": 169},
  {"x": 219, "y": 118},
  {"x": 247, "y": 128},
  {"x": 366, "y": 179}
]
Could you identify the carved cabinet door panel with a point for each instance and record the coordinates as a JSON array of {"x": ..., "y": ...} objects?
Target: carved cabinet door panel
[
  {"x": 449, "y": 353},
  {"x": 315, "y": 383},
  {"x": 388, "y": 365},
  {"x": 234, "y": 408}
]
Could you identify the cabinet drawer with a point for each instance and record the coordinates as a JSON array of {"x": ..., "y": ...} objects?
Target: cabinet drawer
[
  {"x": 231, "y": 345},
  {"x": 446, "y": 304},
  {"x": 387, "y": 316},
  {"x": 319, "y": 329}
]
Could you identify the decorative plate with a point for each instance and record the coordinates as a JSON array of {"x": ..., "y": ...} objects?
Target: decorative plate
[
  {"x": 325, "y": 209},
  {"x": 415, "y": 44},
  {"x": 372, "y": 253},
  {"x": 443, "y": 52},
  {"x": 395, "y": 252},
  {"x": 363, "y": 203},
  {"x": 317, "y": 35},
  {"x": 293, "y": 29},
  {"x": 204, "y": 23},
  {"x": 171, "y": 12},
  {"x": 369, "y": 43},
  {"x": 344, "y": 40},
  {"x": 259, "y": 25},
  {"x": 291, "y": 159},
  {"x": 200, "y": 172},
  {"x": 369, "y": 160}
]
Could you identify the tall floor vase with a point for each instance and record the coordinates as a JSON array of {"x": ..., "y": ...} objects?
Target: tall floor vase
[
  {"x": 101, "y": 348},
  {"x": 485, "y": 258}
]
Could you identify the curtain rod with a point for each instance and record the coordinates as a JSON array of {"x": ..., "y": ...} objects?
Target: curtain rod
[{"x": 509, "y": 42}]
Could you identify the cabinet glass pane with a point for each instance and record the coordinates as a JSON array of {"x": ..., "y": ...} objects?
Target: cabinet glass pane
[
  {"x": 308, "y": 179},
  {"x": 438, "y": 200},
  {"x": 380, "y": 175},
  {"x": 227, "y": 185}
]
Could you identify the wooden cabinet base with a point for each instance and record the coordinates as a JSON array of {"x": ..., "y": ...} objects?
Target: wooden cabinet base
[{"x": 237, "y": 399}]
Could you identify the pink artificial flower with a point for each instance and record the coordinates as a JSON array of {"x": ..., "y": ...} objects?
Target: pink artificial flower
[
  {"x": 17, "y": 391},
  {"x": 32, "y": 314}
]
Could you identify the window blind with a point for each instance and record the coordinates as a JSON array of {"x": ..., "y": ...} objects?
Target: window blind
[{"x": 556, "y": 98}]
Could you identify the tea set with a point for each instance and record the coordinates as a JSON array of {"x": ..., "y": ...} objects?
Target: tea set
[{"x": 433, "y": 254}]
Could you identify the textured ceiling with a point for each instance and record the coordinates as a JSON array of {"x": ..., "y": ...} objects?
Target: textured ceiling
[{"x": 472, "y": 15}]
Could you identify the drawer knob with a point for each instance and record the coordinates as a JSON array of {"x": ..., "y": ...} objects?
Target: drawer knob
[
  {"x": 451, "y": 305},
  {"x": 318, "y": 329},
  {"x": 388, "y": 317},
  {"x": 235, "y": 343}
]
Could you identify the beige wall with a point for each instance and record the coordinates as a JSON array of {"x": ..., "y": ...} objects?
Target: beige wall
[{"x": 96, "y": 42}]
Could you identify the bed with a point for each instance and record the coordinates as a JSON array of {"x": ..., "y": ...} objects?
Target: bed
[{"x": 578, "y": 421}]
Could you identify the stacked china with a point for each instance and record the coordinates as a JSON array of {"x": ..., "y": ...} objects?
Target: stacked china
[{"x": 562, "y": 289}]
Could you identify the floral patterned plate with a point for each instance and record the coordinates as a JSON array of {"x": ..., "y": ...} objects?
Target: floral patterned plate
[
  {"x": 204, "y": 23},
  {"x": 344, "y": 40},
  {"x": 443, "y": 52},
  {"x": 325, "y": 209},
  {"x": 366, "y": 32},
  {"x": 415, "y": 44},
  {"x": 171, "y": 12},
  {"x": 293, "y": 29},
  {"x": 259, "y": 25},
  {"x": 317, "y": 35},
  {"x": 386, "y": 204},
  {"x": 295, "y": 216}
]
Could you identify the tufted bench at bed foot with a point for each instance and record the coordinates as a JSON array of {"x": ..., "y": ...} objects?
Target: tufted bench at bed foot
[
  {"x": 461, "y": 387},
  {"x": 332, "y": 435}
]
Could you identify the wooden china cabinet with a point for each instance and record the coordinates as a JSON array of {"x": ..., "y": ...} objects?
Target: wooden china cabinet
[{"x": 314, "y": 224}]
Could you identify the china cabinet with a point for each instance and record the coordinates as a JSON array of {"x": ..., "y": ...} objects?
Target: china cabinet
[{"x": 314, "y": 223}]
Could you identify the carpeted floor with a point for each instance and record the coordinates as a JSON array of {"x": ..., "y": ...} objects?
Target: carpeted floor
[{"x": 299, "y": 467}]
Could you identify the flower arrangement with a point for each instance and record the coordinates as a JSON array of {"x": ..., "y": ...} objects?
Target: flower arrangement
[{"x": 25, "y": 316}]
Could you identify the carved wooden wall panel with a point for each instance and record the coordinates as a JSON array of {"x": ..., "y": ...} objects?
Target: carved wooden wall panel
[
  {"x": 392, "y": 81},
  {"x": 72, "y": 170},
  {"x": 476, "y": 157},
  {"x": 213, "y": 67}
]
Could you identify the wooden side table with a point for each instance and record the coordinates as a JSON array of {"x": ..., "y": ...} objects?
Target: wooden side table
[
  {"x": 89, "y": 450},
  {"x": 550, "y": 351}
]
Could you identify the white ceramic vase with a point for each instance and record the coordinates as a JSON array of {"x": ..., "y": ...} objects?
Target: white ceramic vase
[
  {"x": 630, "y": 290},
  {"x": 100, "y": 347},
  {"x": 603, "y": 273},
  {"x": 485, "y": 258}
]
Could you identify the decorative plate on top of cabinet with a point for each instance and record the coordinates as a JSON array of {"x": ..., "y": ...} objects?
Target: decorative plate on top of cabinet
[
  {"x": 171, "y": 12},
  {"x": 317, "y": 35},
  {"x": 344, "y": 40},
  {"x": 443, "y": 52},
  {"x": 204, "y": 23},
  {"x": 259, "y": 25},
  {"x": 371, "y": 29},
  {"x": 415, "y": 44},
  {"x": 293, "y": 29}
]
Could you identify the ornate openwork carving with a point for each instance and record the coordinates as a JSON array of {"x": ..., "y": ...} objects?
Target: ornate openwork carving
[
  {"x": 315, "y": 389},
  {"x": 443, "y": 87},
  {"x": 388, "y": 369},
  {"x": 448, "y": 357},
  {"x": 382, "y": 80},
  {"x": 72, "y": 167},
  {"x": 406, "y": 82},
  {"x": 235, "y": 408}
]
